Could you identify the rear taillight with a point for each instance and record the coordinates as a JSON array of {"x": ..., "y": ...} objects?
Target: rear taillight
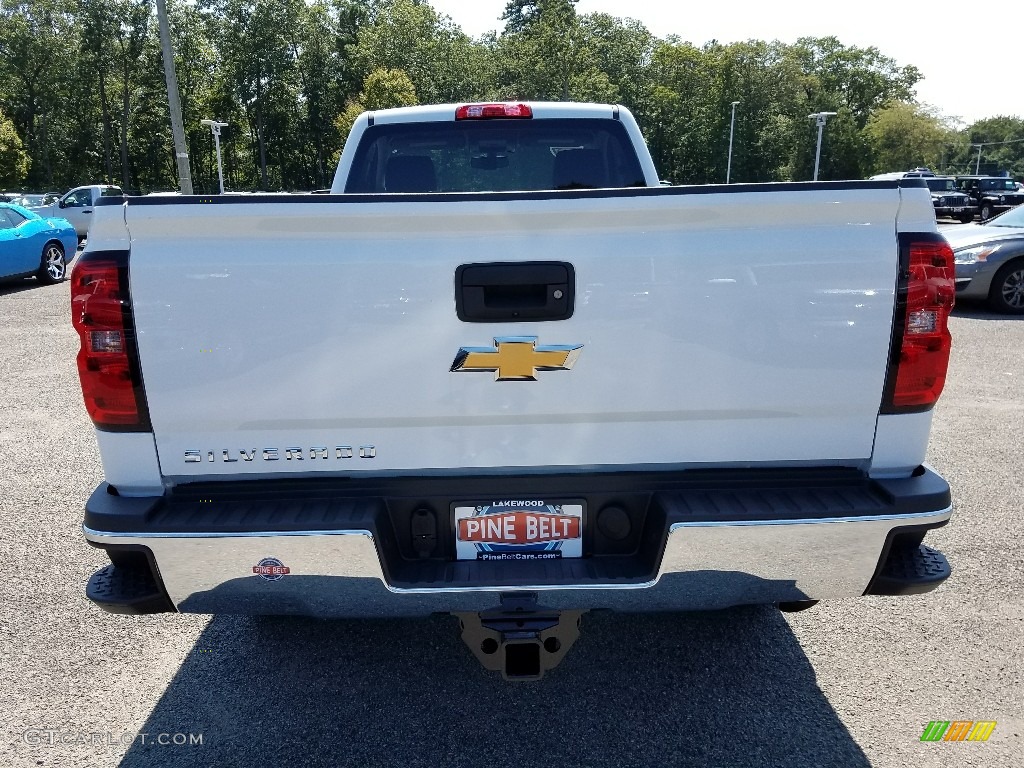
[
  {"x": 108, "y": 361},
  {"x": 491, "y": 111},
  {"x": 921, "y": 340}
]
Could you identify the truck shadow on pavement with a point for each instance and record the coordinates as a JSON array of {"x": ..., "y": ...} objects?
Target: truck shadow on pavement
[
  {"x": 978, "y": 310},
  {"x": 720, "y": 688},
  {"x": 10, "y": 286}
]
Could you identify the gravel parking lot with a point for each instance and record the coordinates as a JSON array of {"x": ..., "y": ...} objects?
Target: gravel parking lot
[{"x": 850, "y": 683}]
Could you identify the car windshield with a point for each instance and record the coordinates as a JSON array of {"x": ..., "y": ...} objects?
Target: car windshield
[
  {"x": 940, "y": 185},
  {"x": 1001, "y": 185},
  {"x": 1012, "y": 218}
]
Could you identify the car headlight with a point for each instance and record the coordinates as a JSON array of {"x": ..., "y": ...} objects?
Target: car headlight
[
  {"x": 974, "y": 255},
  {"x": 1002, "y": 199}
]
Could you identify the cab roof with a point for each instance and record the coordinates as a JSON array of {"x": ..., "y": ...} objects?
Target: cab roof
[{"x": 446, "y": 112}]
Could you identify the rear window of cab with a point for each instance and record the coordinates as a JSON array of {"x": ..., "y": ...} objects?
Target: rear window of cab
[{"x": 494, "y": 156}]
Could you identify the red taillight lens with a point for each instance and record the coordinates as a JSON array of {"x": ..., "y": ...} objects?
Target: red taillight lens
[
  {"x": 924, "y": 348},
  {"x": 491, "y": 111},
  {"x": 100, "y": 312}
]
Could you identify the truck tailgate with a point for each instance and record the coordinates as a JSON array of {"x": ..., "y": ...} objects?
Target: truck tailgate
[{"x": 289, "y": 335}]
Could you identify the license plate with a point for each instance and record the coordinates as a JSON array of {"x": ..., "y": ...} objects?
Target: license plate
[
  {"x": 958, "y": 210},
  {"x": 518, "y": 530}
]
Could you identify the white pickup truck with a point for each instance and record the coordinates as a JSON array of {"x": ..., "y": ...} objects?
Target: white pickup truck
[
  {"x": 501, "y": 372},
  {"x": 78, "y": 206}
]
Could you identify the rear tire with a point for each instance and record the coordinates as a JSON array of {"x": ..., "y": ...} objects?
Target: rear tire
[
  {"x": 1007, "y": 291},
  {"x": 52, "y": 266}
]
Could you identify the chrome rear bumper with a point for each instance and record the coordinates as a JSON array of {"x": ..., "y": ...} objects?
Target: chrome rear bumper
[{"x": 338, "y": 573}]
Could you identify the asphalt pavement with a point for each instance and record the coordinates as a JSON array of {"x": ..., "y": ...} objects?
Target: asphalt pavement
[{"x": 846, "y": 684}]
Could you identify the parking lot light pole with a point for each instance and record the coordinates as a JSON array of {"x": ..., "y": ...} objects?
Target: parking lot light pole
[
  {"x": 820, "y": 117},
  {"x": 977, "y": 163},
  {"x": 215, "y": 130},
  {"x": 732, "y": 125}
]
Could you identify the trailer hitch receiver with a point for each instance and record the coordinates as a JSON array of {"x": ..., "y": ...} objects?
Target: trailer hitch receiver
[{"x": 520, "y": 639}]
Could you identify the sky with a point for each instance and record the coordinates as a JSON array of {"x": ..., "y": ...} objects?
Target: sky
[{"x": 929, "y": 35}]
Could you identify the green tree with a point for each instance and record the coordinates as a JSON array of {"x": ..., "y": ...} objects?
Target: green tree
[
  {"x": 443, "y": 64},
  {"x": 386, "y": 89},
  {"x": 118, "y": 56},
  {"x": 553, "y": 57},
  {"x": 82, "y": 84},
  {"x": 681, "y": 121},
  {"x": 859, "y": 79},
  {"x": 131, "y": 33},
  {"x": 97, "y": 21},
  {"x": 39, "y": 88},
  {"x": 14, "y": 160},
  {"x": 350, "y": 16},
  {"x": 765, "y": 81},
  {"x": 196, "y": 62},
  {"x": 319, "y": 72},
  {"x": 519, "y": 15},
  {"x": 622, "y": 50},
  {"x": 854, "y": 82},
  {"x": 905, "y": 135},
  {"x": 382, "y": 89},
  {"x": 260, "y": 73},
  {"x": 1002, "y": 145}
]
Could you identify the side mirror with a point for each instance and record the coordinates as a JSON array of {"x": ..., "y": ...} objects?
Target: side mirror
[{"x": 61, "y": 204}]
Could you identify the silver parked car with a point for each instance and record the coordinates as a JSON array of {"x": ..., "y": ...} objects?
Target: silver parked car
[
  {"x": 990, "y": 260},
  {"x": 35, "y": 199}
]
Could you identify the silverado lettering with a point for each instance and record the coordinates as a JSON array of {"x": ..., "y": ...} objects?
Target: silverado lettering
[{"x": 193, "y": 456}]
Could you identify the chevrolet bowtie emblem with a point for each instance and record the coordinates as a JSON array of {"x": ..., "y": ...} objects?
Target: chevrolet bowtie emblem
[{"x": 517, "y": 358}]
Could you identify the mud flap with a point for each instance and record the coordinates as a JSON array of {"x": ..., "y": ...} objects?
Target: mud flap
[{"x": 520, "y": 639}]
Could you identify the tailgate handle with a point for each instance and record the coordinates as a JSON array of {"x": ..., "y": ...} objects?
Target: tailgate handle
[{"x": 521, "y": 291}]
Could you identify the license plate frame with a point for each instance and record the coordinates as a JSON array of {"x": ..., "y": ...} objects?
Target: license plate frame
[{"x": 527, "y": 529}]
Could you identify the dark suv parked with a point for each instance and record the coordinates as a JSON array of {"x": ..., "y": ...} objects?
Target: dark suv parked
[
  {"x": 948, "y": 201},
  {"x": 992, "y": 194}
]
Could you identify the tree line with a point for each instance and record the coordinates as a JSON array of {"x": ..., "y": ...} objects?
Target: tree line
[{"x": 83, "y": 98}]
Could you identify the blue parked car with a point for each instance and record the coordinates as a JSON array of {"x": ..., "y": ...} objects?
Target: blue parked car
[{"x": 32, "y": 245}]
